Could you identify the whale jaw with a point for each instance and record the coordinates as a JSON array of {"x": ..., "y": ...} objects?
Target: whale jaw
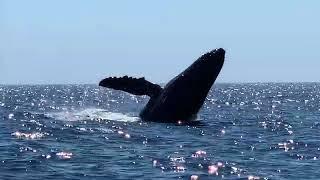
[{"x": 184, "y": 95}]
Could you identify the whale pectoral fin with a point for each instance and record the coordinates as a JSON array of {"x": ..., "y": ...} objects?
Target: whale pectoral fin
[{"x": 136, "y": 86}]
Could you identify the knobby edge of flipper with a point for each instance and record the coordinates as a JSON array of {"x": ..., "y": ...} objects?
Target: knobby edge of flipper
[{"x": 136, "y": 86}]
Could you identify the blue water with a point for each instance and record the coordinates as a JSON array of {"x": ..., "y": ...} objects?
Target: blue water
[{"x": 246, "y": 131}]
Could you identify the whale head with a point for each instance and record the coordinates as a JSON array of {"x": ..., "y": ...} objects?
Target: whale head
[
  {"x": 185, "y": 94},
  {"x": 204, "y": 71}
]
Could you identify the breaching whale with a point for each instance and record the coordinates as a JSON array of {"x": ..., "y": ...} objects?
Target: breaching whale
[{"x": 181, "y": 99}]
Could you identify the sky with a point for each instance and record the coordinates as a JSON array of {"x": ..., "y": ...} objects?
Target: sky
[{"x": 80, "y": 41}]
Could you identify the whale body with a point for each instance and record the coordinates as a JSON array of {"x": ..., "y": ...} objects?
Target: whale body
[{"x": 182, "y": 97}]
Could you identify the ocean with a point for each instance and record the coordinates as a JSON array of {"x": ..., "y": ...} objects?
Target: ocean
[{"x": 244, "y": 131}]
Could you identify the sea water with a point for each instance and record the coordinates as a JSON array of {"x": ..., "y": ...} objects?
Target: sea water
[{"x": 243, "y": 131}]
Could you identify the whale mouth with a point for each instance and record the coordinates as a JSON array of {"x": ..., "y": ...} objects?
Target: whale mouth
[
  {"x": 209, "y": 64},
  {"x": 219, "y": 50},
  {"x": 214, "y": 55}
]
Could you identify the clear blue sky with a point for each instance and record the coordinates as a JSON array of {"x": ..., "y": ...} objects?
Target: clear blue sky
[{"x": 78, "y": 41}]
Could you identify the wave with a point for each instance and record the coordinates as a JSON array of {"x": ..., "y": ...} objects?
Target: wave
[{"x": 91, "y": 114}]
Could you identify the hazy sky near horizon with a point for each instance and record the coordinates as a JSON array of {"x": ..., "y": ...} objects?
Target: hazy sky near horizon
[{"x": 79, "y": 41}]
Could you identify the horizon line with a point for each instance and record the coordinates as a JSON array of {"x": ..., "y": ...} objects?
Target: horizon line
[{"x": 244, "y": 82}]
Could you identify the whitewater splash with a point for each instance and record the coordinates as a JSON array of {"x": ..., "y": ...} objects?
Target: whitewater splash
[{"x": 91, "y": 114}]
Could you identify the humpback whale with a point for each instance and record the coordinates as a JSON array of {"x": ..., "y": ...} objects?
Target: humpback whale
[{"x": 182, "y": 97}]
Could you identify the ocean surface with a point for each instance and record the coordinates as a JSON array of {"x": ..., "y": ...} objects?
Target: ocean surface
[{"x": 244, "y": 131}]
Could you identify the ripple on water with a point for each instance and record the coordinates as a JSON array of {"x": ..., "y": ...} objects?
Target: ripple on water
[
  {"x": 35, "y": 135},
  {"x": 64, "y": 155}
]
